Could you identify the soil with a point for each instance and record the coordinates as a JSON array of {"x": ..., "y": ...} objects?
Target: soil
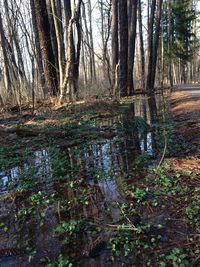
[
  {"x": 186, "y": 111},
  {"x": 185, "y": 108}
]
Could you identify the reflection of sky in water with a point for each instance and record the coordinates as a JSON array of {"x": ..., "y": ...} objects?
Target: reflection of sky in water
[
  {"x": 104, "y": 159},
  {"x": 149, "y": 144},
  {"x": 41, "y": 162},
  {"x": 5, "y": 178}
]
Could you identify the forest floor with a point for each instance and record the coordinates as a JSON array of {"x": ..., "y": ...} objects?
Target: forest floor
[{"x": 82, "y": 185}]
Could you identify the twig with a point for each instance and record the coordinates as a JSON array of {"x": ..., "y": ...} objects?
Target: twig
[{"x": 164, "y": 151}]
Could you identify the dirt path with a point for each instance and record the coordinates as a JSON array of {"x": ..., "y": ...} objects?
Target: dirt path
[
  {"x": 185, "y": 108},
  {"x": 186, "y": 111}
]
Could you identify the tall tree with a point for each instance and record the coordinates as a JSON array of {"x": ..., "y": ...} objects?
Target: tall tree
[
  {"x": 37, "y": 46},
  {"x": 74, "y": 47},
  {"x": 150, "y": 46},
  {"x": 115, "y": 45},
  {"x": 132, "y": 22},
  {"x": 156, "y": 41},
  {"x": 94, "y": 76},
  {"x": 142, "y": 55},
  {"x": 123, "y": 51},
  {"x": 184, "y": 45},
  {"x": 105, "y": 26},
  {"x": 6, "y": 74},
  {"x": 46, "y": 47},
  {"x": 153, "y": 43},
  {"x": 71, "y": 73},
  {"x": 59, "y": 40},
  {"x": 53, "y": 34}
]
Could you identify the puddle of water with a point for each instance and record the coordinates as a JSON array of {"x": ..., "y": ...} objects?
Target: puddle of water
[
  {"x": 102, "y": 165},
  {"x": 40, "y": 164}
]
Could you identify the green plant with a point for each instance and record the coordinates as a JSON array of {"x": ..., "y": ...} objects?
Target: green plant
[
  {"x": 178, "y": 258},
  {"x": 3, "y": 227},
  {"x": 62, "y": 261},
  {"x": 141, "y": 160},
  {"x": 71, "y": 227},
  {"x": 141, "y": 194},
  {"x": 193, "y": 212}
]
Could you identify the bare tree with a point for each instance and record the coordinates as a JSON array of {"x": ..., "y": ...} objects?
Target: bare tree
[
  {"x": 115, "y": 44},
  {"x": 6, "y": 74},
  {"x": 132, "y": 22},
  {"x": 153, "y": 42},
  {"x": 91, "y": 40},
  {"x": 142, "y": 55},
  {"x": 59, "y": 40},
  {"x": 46, "y": 47},
  {"x": 37, "y": 45},
  {"x": 71, "y": 73},
  {"x": 123, "y": 51}
]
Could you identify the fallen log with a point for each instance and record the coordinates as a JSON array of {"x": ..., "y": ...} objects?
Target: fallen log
[{"x": 23, "y": 132}]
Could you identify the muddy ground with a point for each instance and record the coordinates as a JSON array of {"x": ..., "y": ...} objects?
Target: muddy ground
[{"x": 83, "y": 185}]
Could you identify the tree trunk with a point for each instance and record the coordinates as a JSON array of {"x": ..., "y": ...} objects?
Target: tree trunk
[
  {"x": 142, "y": 55},
  {"x": 115, "y": 44},
  {"x": 150, "y": 46},
  {"x": 87, "y": 40},
  {"x": 170, "y": 43},
  {"x": 78, "y": 47},
  {"x": 61, "y": 28},
  {"x": 46, "y": 47},
  {"x": 131, "y": 44},
  {"x": 59, "y": 41},
  {"x": 53, "y": 35},
  {"x": 149, "y": 88},
  {"x": 94, "y": 77},
  {"x": 6, "y": 74},
  {"x": 123, "y": 52},
  {"x": 156, "y": 43},
  {"x": 69, "y": 64},
  {"x": 72, "y": 66},
  {"x": 37, "y": 47}
]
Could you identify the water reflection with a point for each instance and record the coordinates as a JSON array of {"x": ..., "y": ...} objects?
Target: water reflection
[
  {"x": 146, "y": 144},
  {"x": 38, "y": 166},
  {"x": 101, "y": 166},
  {"x": 9, "y": 177}
]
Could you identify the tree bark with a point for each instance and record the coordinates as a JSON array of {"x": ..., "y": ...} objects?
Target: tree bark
[
  {"x": 37, "y": 47},
  {"x": 72, "y": 66},
  {"x": 53, "y": 35},
  {"x": 6, "y": 74},
  {"x": 142, "y": 55},
  {"x": 115, "y": 44},
  {"x": 149, "y": 88},
  {"x": 131, "y": 44},
  {"x": 156, "y": 42},
  {"x": 94, "y": 76},
  {"x": 59, "y": 41},
  {"x": 150, "y": 46},
  {"x": 78, "y": 47},
  {"x": 46, "y": 47},
  {"x": 123, "y": 52}
]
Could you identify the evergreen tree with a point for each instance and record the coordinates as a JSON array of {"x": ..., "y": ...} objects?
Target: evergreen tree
[
  {"x": 179, "y": 37},
  {"x": 183, "y": 16}
]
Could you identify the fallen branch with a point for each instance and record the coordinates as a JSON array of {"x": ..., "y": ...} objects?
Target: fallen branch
[{"x": 23, "y": 132}]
